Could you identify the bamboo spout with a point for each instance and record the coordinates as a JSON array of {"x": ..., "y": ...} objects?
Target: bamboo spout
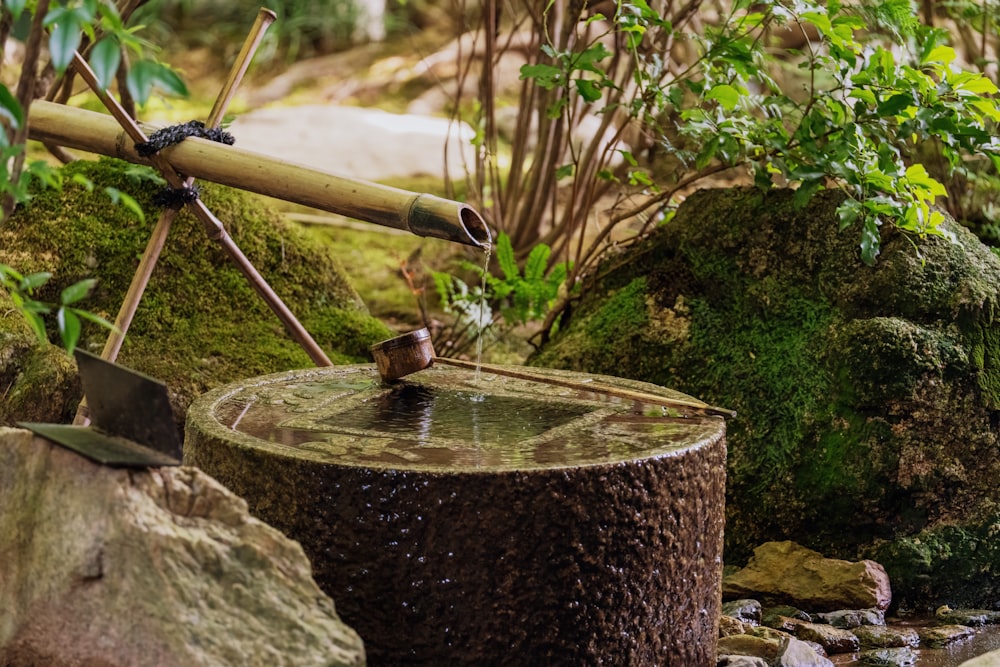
[{"x": 421, "y": 214}]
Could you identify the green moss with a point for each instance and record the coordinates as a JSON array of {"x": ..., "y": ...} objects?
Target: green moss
[
  {"x": 952, "y": 564},
  {"x": 866, "y": 396},
  {"x": 200, "y": 322}
]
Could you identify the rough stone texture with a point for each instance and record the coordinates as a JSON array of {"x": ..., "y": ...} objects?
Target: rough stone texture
[
  {"x": 525, "y": 564},
  {"x": 853, "y": 618},
  {"x": 730, "y": 626},
  {"x": 766, "y": 649},
  {"x": 800, "y": 654},
  {"x": 789, "y": 573},
  {"x": 833, "y": 640},
  {"x": 889, "y": 657},
  {"x": 744, "y": 610},
  {"x": 867, "y": 396},
  {"x": 880, "y": 636},
  {"x": 199, "y": 324},
  {"x": 991, "y": 659},
  {"x": 112, "y": 567},
  {"x": 942, "y": 635}
]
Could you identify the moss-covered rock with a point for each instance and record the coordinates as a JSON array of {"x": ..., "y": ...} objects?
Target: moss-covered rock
[
  {"x": 867, "y": 396},
  {"x": 200, "y": 323}
]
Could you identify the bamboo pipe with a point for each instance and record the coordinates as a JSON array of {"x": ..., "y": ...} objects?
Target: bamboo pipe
[{"x": 421, "y": 214}]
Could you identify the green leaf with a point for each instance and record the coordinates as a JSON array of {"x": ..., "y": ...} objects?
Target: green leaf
[
  {"x": 15, "y": 7},
  {"x": 105, "y": 58},
  {"x": 10, "y": 108},
  {"x": 727, "y": 96},
  {"x": 77, "y": 291},
  {"x": 33, "y": 281},
  {"x": 144, "y": 75},
  {"x": 96, "y": 319},
  {"x": 940, "y": 54},
  {"x": 505, "y": 257},
  {"x": 564, "y": 171},
  {"x": 64, "y": 40},
  {"x": 36, "y": 323},
  {"x": 895, "y": 104},
  {"x": 83, "y": 181},
  {"x": 69, "y": 328},
  {"x": 538, "y": 261},
  {"x": 126, "y": 200},
  {"x": 546, "y": 76},
  {"x": 848, "y": 213},
  {"x": 870, "y": 240},
  {"x": 589, "y": 90}
]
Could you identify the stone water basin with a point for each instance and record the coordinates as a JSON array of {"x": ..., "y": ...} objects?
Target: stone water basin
[{"x": 498, "y": 521}]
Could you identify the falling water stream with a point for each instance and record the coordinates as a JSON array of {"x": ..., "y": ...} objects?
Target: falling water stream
[{"x": 487, "y": 253}]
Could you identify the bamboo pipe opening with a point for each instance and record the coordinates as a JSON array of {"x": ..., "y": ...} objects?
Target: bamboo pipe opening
[{"x": 432, "y": 216}]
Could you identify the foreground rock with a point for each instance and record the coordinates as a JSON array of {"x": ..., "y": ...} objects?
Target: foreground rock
[
  {"x": 867, "y": 396},
  {"x": 784, "y": 572},
  {"x": 108, "y": 567}
]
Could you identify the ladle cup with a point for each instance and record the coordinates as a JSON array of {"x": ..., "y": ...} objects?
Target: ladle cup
[{"x": 414, "y": 351}]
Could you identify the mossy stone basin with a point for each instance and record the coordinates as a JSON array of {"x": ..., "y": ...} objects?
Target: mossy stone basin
[{"x": 496, "y": 521}]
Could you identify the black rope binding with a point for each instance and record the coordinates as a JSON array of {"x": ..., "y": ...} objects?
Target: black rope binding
[
  {"x": 168, "y": 136},
  {"x": 175, "y": 134},
  {"x": 175, "y": 197}
]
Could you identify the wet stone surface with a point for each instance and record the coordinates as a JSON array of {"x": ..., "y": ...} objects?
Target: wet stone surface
[
  {"x": 452, "y": 422},
  {"x": 498, "y": 522}
]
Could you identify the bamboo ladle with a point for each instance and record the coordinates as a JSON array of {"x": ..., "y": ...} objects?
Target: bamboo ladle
[{"x": 414, "y": 351}]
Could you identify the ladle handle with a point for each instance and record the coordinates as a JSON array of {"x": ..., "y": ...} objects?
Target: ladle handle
[{"x": 620, "y": 392}]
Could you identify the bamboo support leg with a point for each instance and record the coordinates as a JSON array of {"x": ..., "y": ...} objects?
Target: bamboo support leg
[{"x": 213, "y": 226}]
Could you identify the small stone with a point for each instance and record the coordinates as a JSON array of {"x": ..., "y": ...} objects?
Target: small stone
[
  {"x": 971, "y": 617},
  {"x": 741, "y": 661},
  {"x": 769, "y": 633},
  {"x": 833, "y": 640},
  {"x": 771, "y": 613},
  {"x": 781, "y": 622},
  {"x": 743, "y": 610},
  {"x": 730, "y": 626},
  {"x": 943, "y": 635},
  {"x": 881, "y": 636},
  {"x": 888, "y": 657},
  {"x": 800, "y": 654},
  {"x": 767, "y": 649},
  {"x": 853, "y": 618}
]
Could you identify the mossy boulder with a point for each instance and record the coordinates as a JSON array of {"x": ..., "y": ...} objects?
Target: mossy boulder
[
  {"x": 200, "y": 323},
  {"x": 868, "y": 397}
]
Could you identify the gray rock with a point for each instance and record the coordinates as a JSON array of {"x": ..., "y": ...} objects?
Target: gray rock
[
  {"x": 772, "y": 615},
  {"x": 788, "y": 572},
  {"x": 970, "y": 617},
  {"x": 162, "y": 566},
  {"x": 766, "y": 649},
  {"x": 800, "y": 654},
  {"x": 942, "y": 635},
  {"x": 731, "y": 626},
  {"x": 741, "y": 661},
  {"x": 888, "y": 657},
  {"x": 880, "y": 636},
  {"x": 852, "y": 618},
  {"x": 743, "y": 610},
  {"x": 833, "y": 640},
  {"x": 991, "y": 659}
]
